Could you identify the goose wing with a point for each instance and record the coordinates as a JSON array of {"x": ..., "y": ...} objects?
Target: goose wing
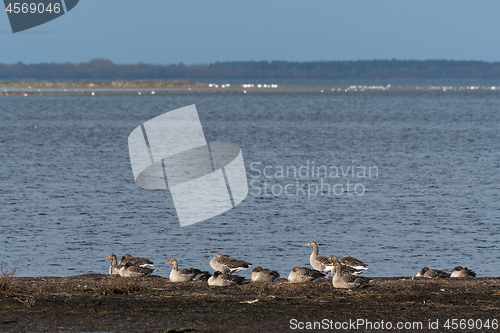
[
  {"x": 469, "y": 272},
  {"x": 352, "y": 262},
  {"x": 355, "y": 280},
  {"x": 311, "y": 273},
  {"x": 347, "y": 270},
  {"x": 272, "y": 273},
  {"x": 136, "y": 261},
  {"x": 136, "y": 270},
  {"x": 190, "y": 272},
  {"x": 434, "y": 273},
  {"x": 234, "y": 279},
  {"x": 324, "y": 261},
  {"x": 203, "y": 276},
  {"x": 233, "y": 264}
]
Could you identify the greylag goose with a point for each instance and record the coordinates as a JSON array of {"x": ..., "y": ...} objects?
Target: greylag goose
[
  {"x": 346, "y": 281},
  {"x": 114, "y": 269},
  {"x": 432, "y": 273},
  {"x": 303, "y": 274},
  {"x": 225, "y": 264},
  {"x": 319, "y": 263},
  {"x": 129, "y": 270},
  {"x": 459, "y": 271},
  {"x": 353, "y": 262},
  {"x": 222, "y": 279},
  {"x": 265, "y": 275},
  {"x": 135, "y": 261},
  {"x": 183, "y": 275},
  {"x": 344, "y": 269}
]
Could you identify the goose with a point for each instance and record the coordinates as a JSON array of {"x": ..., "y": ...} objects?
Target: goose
[
  {"x": 222, "y": 279},
  {"x": 422, "y": 272},
  {"x": 344, "y": 269},
  {"x": 303, "y": 274},
  {"x": 347, "y": 281},
  {"x": 459, "y": 271},
  {"x": 129, "y": 270},
  {"x": 319, "y": 263},
  {"x": 135, "y": 261},
  {"x": 183, "y": 275},
  {"x": 114, "y": 269},
  {"x": 353, "y": 262},
  {"x": 432, "y": 273},
  {"x": 265, "y": 275},
  {"x": 225, "y": 264}
]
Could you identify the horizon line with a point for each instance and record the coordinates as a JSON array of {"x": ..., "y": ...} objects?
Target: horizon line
[{"x": 254, "y": 61}]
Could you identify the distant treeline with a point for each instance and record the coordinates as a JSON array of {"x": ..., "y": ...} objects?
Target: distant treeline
[{"x": 103, "y": 69}]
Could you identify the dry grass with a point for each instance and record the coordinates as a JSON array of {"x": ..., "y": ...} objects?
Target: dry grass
[
  {"x": 123, "y": 286},
  {"x": 6, "y": 277},
  {"x": 29, "y": 301}
]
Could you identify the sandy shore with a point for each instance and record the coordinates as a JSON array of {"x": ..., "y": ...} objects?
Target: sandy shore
[
  {"x": 95, "y": 302},
  {"x": 142, "y": 87},
  {"x": 163, "y": 87},
  {"x": 102, "y": 84}
]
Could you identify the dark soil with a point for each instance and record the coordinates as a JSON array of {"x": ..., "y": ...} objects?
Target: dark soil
[{"x": 95, "y": 302}]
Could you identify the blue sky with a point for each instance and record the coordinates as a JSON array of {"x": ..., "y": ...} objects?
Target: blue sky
[{"x": 196, "y": 31}]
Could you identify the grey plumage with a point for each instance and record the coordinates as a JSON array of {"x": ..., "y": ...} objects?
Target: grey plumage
[
  {"x": 129, "y": 270},
  {"x": 135, "y": 261},
  {"x": 225, "y": 264},
  {"x": 303, "y": 274},
  {"x": 185, "y": 274},
  {"x": 347, "y": 281},
  {"x": 432, "y": 273},
  {"x": 222, "y": 279},
  {"x": 319, "y": 263},
  {"x": 265, "y": 275},
  {"x": 459, "y": 271},
  {"x": 346, "y": 260},
  {"x": 114, "y": 269},
  {"x": 344, "y": 269}
]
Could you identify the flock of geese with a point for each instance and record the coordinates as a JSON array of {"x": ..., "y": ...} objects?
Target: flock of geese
[{"x": 345, "y": 271}]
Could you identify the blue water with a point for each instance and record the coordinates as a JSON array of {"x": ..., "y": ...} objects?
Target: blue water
[{"x": 68, "y": 198}]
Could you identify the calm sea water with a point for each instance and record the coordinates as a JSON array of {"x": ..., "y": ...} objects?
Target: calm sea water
[{"x": 68, "y": 198}]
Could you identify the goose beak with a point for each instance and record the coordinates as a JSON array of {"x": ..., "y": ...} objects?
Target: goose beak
[
  {"x": 330, "y": 264},
  {"x": 169, "y": 263},
  {"x": 308, "y": 244},
  {"x": 108, "y": 257}
]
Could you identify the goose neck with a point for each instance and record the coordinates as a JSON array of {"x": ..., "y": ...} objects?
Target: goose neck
[{"x": 315, "y": 249}]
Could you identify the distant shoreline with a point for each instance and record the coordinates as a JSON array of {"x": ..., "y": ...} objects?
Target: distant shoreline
[
  {"x": 159, "y": 87},
  {"x": 105, "y": 69}
]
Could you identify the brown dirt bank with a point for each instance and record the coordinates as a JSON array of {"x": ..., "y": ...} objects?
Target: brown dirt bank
[{"x": 95, "y": 302}]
